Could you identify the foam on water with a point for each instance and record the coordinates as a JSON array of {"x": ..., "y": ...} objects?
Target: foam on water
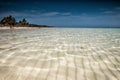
[{"x": 60, "y": 54}]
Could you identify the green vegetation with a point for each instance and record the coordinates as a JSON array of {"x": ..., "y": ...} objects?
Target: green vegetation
[{"x": 11, "y": 22}]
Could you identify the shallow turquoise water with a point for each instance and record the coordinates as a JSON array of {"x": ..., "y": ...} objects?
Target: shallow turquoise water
[{"x": 60, "y": 53}]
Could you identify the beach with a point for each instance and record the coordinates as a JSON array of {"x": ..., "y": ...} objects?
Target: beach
[
  {"x": 60, "y": 54},
  {"x": 6, "y": 27}
]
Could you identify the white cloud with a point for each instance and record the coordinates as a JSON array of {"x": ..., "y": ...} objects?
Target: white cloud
[
  {"x": 66, "y": 14},
  {"x": 103, "y": 9},
  {"x": 50, "y": 14},
  {"x": 117, "y": 8},
  {"x": 113, "y": 11},
  {"x": 108, "y": 12}
]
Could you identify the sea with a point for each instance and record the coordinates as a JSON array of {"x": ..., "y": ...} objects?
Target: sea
[{"x": 60, "y": 54}]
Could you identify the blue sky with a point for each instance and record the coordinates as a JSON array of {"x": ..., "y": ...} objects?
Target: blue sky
[{"x": 73, "y": 13}]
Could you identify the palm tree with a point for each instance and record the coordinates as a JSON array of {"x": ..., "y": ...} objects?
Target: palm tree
[
  {"x": 11, "y": 21},
  {"x": 24, "y": 22},
  {"x": 8, "y": 21}
]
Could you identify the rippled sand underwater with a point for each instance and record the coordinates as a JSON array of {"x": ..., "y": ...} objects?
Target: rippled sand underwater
[{"x": 60, "y": 54}]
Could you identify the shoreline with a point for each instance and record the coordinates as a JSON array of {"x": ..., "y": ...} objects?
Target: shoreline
[{"x": 2, "y": 28}]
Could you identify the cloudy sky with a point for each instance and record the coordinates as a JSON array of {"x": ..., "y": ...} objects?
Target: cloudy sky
[{"x": 73, "y": 13}]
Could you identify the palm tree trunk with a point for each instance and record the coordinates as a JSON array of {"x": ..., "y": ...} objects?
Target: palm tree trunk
[{"x": 11, "y": 27}]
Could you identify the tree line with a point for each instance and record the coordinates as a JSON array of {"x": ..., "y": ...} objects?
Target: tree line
[{"x": 10, "y": 21}]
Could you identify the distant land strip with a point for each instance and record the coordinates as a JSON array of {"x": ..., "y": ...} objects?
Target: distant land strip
[{"x": 10, "y": 22}]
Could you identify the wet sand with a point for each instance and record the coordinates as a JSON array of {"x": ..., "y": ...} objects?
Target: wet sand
[{"x": 60, "y": 54}]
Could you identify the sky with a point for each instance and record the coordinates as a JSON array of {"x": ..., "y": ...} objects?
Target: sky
[{"x": 64, "y": 13}]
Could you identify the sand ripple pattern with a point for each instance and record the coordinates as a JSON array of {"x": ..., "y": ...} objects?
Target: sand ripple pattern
[{"x": 60, "y": 54}]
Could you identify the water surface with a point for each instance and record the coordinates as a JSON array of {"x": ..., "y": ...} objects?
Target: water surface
[{"x": 60, "y": 54}]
